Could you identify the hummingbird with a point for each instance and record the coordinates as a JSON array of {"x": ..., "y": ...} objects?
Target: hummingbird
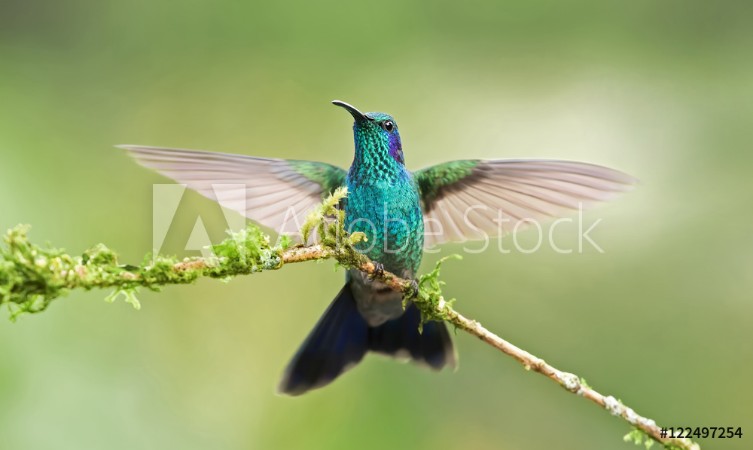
[{"x": 401, "y": 213}]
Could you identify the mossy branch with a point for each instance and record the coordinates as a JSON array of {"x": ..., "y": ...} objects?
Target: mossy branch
[{"x": 31, "y": 277}]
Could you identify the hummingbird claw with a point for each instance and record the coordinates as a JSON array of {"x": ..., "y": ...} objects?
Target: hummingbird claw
[
  {"x": 378, "y": 270},
  {"x": 413, "y": 289}
]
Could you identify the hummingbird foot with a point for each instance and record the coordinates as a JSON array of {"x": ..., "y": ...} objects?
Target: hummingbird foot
[
  {"x": 378, "y": 270},
  {"x": 413, "y": 292}
]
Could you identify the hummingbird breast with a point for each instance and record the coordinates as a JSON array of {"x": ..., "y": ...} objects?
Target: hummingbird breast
[{"x": 388, "y": 212}]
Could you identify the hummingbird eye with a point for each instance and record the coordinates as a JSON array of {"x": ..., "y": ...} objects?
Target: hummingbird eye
[{"x": 388, "y": 125}]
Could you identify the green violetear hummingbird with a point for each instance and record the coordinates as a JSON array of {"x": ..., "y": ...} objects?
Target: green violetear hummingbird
[{"x": 401, "y": 212}]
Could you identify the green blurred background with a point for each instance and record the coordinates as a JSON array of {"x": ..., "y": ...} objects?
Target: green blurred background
[{"x": 662, "y": 319}]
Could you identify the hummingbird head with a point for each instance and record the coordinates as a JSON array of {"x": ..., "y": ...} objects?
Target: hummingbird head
[{"x": 375, "y": 135}]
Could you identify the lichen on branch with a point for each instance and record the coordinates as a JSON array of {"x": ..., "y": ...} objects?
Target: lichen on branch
[{"x": 32, "y": 276}]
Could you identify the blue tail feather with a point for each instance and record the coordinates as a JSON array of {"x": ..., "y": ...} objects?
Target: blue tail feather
[
  {"x": 342, "y": 337},
  {"x": 338, "y": 341},
  {"x": 432, "y": 346}
]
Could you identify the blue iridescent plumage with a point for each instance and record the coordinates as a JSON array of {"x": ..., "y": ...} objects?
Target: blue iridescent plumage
[{"x": 384, "y": 203}]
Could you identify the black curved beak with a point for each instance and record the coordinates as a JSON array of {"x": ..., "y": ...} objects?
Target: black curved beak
[{"x": 357, "y": 115}]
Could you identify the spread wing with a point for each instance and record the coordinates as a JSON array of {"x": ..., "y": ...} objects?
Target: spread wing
[
  {"x": 467, "y": 199},
  {"x": 277, "y": 193}
]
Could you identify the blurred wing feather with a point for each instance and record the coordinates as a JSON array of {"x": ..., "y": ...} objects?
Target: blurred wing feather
[
  {"x": 465, "y": 200},
  {"x": 277, "y": 193}
]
